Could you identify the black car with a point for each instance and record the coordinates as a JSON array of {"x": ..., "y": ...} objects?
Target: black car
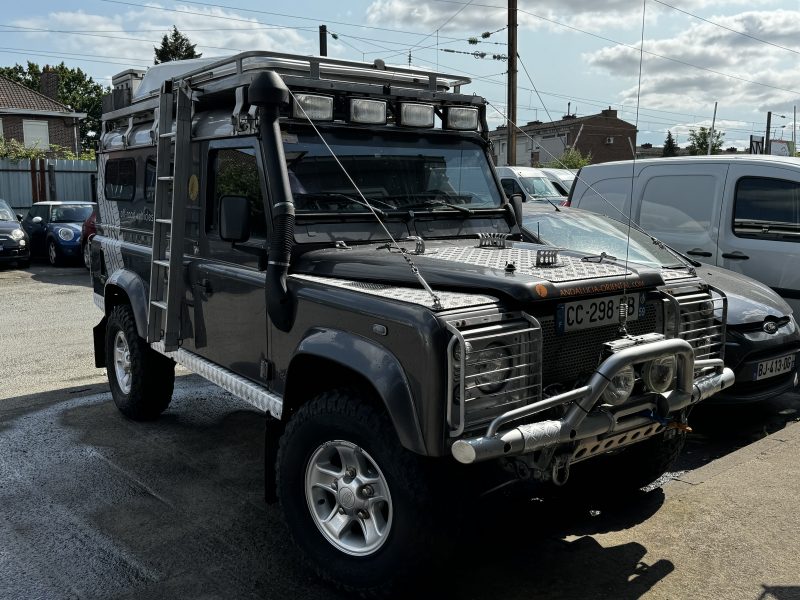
[
  {"x": 762, "y": 336},
  {"x": 14, "y": 242}
]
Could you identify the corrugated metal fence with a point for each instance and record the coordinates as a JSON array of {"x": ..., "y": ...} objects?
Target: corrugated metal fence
[{"x": 23, "y": 182}]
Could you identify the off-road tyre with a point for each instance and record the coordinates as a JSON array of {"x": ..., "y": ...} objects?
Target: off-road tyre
[
  {"x": 152, "y": 375},
  {"x": 344, "y": 414},
  {"x": 626, "y": 472}
]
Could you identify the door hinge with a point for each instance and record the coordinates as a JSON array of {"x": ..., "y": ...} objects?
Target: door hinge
[{"x": 265, "y": 370}]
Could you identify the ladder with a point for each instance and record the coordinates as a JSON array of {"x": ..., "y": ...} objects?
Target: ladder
[{"x": 173, "y": 165}]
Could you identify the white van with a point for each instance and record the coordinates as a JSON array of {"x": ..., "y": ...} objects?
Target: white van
[
  {"x": 531, "y": 183},
  {"x": 560, "y": 178},
  {"x": 737, "y": 212}
]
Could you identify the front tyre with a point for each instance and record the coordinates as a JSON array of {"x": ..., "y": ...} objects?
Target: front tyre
[
  {"x": 356, "y": 502},
  {"x": 53, "y": 254},
  {"x": 141, "y": 379}
]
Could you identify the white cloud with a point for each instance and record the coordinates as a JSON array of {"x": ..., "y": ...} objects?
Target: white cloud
[
  {"x": 772, "y": 81},
  {"x": 133, "y": 34}
]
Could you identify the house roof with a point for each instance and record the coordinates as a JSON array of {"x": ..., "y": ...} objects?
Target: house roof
[
  {"x": 17, "y": 97},
  {"x": 567, "y": 123}
]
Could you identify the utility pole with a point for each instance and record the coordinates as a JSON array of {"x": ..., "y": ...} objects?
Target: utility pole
[
  {"x": 323, "y": 40},
  {"x": 511, "y": 105},
  {"x": 767, "y": 142},
  {"x": 711, "y": 133}
]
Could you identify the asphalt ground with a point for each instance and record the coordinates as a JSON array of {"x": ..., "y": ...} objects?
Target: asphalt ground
[{"x": 95, "y": 506}]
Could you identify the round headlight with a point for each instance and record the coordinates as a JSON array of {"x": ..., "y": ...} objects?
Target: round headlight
[
  {"x": 17, "y": 235},
  {"x": 658, "y": 374},
  {"x": 66, "y": 234},
  {"x": 620, "y": 386},
  {"x": 706, "y": 308},
  {"x": 492, "y": 366}
]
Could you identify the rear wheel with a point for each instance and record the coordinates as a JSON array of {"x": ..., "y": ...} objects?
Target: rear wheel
[
  {"x": 140, "y": 378},
  {"x": 87, "y": 255},
  {"x": 357, "y": 504}
]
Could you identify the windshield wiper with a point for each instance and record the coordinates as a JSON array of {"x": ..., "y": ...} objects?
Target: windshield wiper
[
  {"x": 327, "y": 195},
  {"x": 433, "y": 203}
]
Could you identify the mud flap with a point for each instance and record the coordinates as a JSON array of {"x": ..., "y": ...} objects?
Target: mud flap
[{"x": 99, "y": 335}]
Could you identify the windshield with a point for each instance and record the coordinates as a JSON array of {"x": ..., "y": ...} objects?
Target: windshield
[
  {"x": 6, "y": 214},
  {"x": 594, "y": 234},
  {"x": 397, "y": 173},
  {"x": 71, "y": 213},
  {"x": 538, "y": 186}
]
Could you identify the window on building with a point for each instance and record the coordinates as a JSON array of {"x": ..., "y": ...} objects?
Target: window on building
[
  {"x": 767, "y": 208},
  {"x": 120, "y": 179},
  {"x": 36, "y": 134},
  {"x": 2, "y": 135}
]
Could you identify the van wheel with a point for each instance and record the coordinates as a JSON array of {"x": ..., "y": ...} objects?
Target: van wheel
[
  {"x": 140, "y": 378},
  {"x": 53, "y": 255},
  {"x": 356, "y": 502}
]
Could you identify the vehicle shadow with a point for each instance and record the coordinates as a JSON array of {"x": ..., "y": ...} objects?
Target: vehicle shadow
[
  {"x": 721, "y": 429},
  {"x": 174, "y": 509},
  {"x": 780, "y": 592}
]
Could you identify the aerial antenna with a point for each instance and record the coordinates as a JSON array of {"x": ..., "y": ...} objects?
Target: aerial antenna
[{"x": 623, "y": 305}]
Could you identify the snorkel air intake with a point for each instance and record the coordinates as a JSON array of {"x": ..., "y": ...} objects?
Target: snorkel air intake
[{"x": 270, "y": 94}]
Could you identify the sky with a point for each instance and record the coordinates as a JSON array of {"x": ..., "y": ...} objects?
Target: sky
[{"x": 581, "y": 54}]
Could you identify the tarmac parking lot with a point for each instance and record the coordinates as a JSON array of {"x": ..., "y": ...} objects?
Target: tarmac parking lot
[{"x": 96, "y": 506}]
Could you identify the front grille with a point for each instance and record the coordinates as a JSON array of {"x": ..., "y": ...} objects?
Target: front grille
[
  {"x": 493, "y": 367},
  {"x": 698, "y": 315},
  {"x": 574, "y": 355}
]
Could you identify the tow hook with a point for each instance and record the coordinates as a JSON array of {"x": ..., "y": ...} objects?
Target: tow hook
[{"x": 560, "y": 472}]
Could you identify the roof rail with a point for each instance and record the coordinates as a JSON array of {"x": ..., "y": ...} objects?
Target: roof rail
[{"x": 313, "y": 67}]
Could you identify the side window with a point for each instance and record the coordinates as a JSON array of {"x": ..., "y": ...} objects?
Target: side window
[
  {"x": 608, "y": 197},
  {"x": 767, "y": 208},
  {"x": 235, "y": 173},
  {"x": 683, "y": 203},
  {"x": 511, "y": 187},
  {"x": 150, "y": 180},
  {"x": 120, "y": 179}
]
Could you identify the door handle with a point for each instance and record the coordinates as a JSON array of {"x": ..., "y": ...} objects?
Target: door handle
[
  {"x": 698, "y": 252},
  {"x": 735, "y": 255}
]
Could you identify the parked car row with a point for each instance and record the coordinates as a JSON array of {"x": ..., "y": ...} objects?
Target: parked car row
[
  {"x": 58, "y": 231},
  {"x": 762, "y": 337}
]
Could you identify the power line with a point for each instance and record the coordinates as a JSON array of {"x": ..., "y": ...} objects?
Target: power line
[{"x": 725, "y": 27}]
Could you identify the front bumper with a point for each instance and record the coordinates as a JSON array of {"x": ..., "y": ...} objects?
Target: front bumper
[
  {"x": 11, "y": 252},
  {"x": 584, "y": 421}
]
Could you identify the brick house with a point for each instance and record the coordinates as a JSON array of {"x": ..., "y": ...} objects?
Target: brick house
[
  {"x": 604, "y": 135},
  {"x": 37, "y": 119}
]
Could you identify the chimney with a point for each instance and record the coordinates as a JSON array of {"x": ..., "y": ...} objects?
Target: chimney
[
  {"x": 48, "y": 84},
  {"x": 609, "y": 112}
]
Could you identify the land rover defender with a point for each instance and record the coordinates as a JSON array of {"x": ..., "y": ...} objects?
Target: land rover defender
[{"x": 329, "y": 241}]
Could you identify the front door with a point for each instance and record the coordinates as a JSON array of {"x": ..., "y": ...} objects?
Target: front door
[
  {"x": 37, "y": 231},
  {"x": 229, "y": 311},
  {"x": 761, "y": 228}
]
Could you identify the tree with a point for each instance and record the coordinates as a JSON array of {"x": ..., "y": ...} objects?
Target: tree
[
  {"x": 75, "y": 89},
  {"x": 175, "y": 46},
  {"x": 698, "y": 141},
  {"x": 571, "y": 159},
  {"x": 670, "y": 147}
]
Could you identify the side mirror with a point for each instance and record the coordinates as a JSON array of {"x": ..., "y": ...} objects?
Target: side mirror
[
  {"x": 19, "y": 217},
  {"x": 234, "y": 219},
  {"x": 36, "y": 220},
  {"x": 516, "y": 204}
]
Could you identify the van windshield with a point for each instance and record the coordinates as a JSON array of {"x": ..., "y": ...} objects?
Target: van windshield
[
  {"x": 395, "y": 173},
  {"x": 538, "y": 186}
]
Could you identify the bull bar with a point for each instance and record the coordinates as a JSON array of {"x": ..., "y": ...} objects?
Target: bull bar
[{"x": 578, "y": 423}]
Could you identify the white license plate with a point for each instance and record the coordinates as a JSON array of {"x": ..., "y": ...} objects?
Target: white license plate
[
  {"x": 585, "y": 314},
  {"x": 771, "y": 368}
]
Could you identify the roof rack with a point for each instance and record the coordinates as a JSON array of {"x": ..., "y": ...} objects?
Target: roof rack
[{"x": 313, "y": 67}]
